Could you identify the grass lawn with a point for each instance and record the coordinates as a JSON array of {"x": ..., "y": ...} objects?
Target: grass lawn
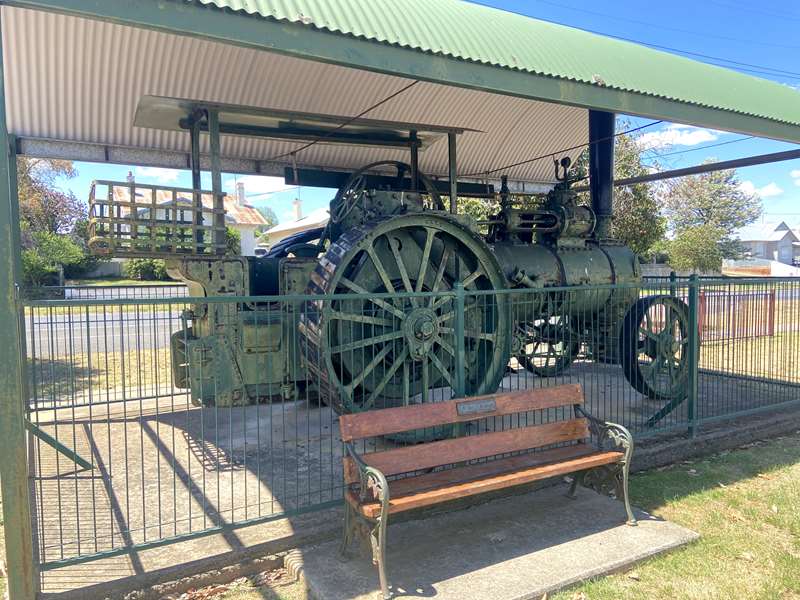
[{"x": 746, "y": 506}]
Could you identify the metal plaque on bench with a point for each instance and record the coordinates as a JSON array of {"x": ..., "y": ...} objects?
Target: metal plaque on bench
[{"x": 476, "y": 407}]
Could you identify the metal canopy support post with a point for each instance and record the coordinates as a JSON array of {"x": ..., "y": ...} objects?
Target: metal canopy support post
[
  {"x": 22, "y": 581},
  {"x": 601, "y": 169},
  {"x": 452, "y": 171},
  {"x": 412, "y": 135},
  {"x": 194, "y": 164},
  {"x": 216, "y": 180}
]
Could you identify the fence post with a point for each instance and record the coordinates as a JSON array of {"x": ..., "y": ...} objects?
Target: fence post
[
  {"x": 458, "y": 325},
  {"x": 673, "y": 288},
  {"x": 22, "y": 581},
  {"x": 693, "y": 353}
]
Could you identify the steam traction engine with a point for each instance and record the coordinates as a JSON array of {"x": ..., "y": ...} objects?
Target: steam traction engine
[{"x": 383, "y": 332}]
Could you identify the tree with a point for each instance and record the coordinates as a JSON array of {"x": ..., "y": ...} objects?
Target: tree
[
  {"x": 42, "y": 205},
  {"x": 637, "y": 219},
  {"x": 53, "y": 223},
  {"x": 269, "y": 216},
  {"x": 715, "y": 200},
  {"x": 145, "y": 269},
  {"x": 233, "y": 241},
  {"x": 696, "y": 248},
  {"x": 48, "y": 253}
]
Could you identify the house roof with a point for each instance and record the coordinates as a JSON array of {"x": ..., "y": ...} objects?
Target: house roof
[
  {"x": 765, "y": 232},
  {"x": 315, "y": 218},
  {"x": 235, "y": 214}
]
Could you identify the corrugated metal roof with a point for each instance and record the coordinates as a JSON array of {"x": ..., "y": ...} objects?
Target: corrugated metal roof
[
  {"x": 76, "y": 79},
  {"x": 481, "y": 34}
]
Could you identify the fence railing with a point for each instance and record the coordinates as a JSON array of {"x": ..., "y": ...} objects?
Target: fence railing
[
  {"x": 105, "y": 292},
  {"x": 196, "y": 414}
]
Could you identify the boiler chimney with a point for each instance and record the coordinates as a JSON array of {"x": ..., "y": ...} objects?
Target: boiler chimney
[{"x": 240, "y": 199}]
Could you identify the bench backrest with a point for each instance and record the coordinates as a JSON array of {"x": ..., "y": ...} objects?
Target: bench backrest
[{"x": 444, "y": 452}]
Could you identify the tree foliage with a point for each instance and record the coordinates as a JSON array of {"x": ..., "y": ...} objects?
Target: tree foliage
[
  {"x": 269, "y": 216},
  {"x": 53, "y": 222},
  {"x": 715, "y": 201},
  {"x": 696, "y": 248},
  {"x": 47, "y": 253},
  {"x": 145, "y": 269},
  {"x": 42, "y": 205},
  {"x": 233, "y": 242}
]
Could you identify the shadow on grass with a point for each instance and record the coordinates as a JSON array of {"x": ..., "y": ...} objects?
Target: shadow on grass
[
  {"x": 656, "y": 488},
  {"x": 58, "y": 379}
]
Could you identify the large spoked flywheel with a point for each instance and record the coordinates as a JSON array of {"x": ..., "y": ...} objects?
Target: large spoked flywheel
[{"x": 371, "y": 352}]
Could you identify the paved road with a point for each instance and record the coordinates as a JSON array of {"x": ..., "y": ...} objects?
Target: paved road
[{"x": 62, "y": 334}]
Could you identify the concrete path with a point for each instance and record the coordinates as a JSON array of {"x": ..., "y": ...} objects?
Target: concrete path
[{"x": 509, "y": 549}]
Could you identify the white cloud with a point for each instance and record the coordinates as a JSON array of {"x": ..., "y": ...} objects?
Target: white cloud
[
  {"x": 676, "y": 135},
  {"x": 163, "y": 176},
  {"x": 768, "y": 191},
  {"x": 257, "y": 184},
  {"x": 795, "y": 175}
]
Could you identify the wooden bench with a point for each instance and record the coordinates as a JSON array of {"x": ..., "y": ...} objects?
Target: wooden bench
[{"x": 390, "y": 481}]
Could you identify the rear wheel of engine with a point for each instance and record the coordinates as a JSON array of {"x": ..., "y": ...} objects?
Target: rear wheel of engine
[
  {"x": 372, "y": 352},
  {"x": 655, "y": 344}
]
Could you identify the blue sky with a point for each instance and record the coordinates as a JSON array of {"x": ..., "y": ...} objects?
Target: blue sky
[{"x": 762, "y": 34}]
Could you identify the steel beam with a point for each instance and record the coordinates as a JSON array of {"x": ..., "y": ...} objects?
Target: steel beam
[
  {"x": 601, "y": 169},
  {"x": 22, "y": 578},
  {"x": 294, "y": 39},
  {"x": 736, "y": 163}
]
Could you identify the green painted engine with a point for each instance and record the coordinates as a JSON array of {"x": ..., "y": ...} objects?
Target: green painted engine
[
  {"x": 407, "y": 291},
  {"x": 384, "y": 334}
]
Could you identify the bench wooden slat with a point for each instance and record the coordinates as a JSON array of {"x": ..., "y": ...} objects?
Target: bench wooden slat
[
  {"x": 419, "y": 416},
  {"x": 445, "y": 452},
  {"x": 486, "y": 484},
  {"x": 463, "y": 474}
]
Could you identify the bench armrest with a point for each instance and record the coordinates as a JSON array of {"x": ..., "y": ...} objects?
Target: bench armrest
[
  {"x": 370, "y": 477},
  {"x": 609, "y": 434}
]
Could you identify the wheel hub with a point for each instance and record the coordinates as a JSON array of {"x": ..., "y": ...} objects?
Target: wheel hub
[{"x": 421, "y": 330}]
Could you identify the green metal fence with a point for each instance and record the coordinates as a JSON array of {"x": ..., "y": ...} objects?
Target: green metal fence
[{"x": 124, "y": 456}]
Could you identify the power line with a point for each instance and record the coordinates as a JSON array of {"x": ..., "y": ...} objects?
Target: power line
[
  {"x": 667, "y": 27},
  {"x": 563, "y": 150},
  {"x": 741, "y": 66},
  {"x": 743, "y": 139},
  {"x": 344, "y": 124},
  {"x": 776, "y": 15}
]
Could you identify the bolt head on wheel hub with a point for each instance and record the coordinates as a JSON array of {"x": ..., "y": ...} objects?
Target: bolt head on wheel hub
[{"x": 421, "y": 330}]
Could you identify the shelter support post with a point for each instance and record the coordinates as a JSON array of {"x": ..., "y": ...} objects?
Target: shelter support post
[
  {"x": 22, "y": 580},
  {"x": 601, "y": 169},
  {"x": 216, "y": 179},
  {"x": 194, "y": 160},
  {"x": 412, "y": 136},
  {"x": 452, "y": 171}
]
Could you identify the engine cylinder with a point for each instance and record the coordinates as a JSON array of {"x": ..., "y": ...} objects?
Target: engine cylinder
[{"x": 540, "y": 266}]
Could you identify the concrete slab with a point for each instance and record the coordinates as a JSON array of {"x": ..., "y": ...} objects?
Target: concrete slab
[{"x": 515, "y": 548}]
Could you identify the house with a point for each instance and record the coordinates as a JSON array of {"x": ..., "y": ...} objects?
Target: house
[
  {"x": 313, "y": 220},
  {"x": 771, "y": 241},
  {"x": 239, "y": 215}
]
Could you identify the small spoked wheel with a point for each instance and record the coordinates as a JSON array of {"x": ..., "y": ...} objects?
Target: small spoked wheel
[
  {"x": 655, "y": 345},
  {"x": 550, "y": 346}
]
